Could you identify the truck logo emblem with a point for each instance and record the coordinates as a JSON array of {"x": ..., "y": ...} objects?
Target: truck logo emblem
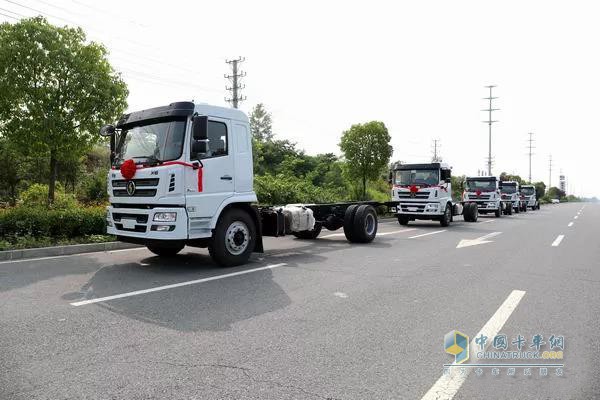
[{"x": 130, "y": 188}]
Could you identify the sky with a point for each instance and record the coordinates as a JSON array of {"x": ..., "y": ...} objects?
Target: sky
[{"x": 420, "y": 67}]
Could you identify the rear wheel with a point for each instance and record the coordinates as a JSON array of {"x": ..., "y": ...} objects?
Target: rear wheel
[
  {"x": 349, "y": 222},
  {"x": 166, "y": 251},
  {"x": 233, "y": 238},
  {"x": 311, "y": 234},
  {"x": 403, "y": 220},
  {"x": 447, "y": 216},
  {"x": 474, "y": 212},
  {"x": 365, "y": 224}
]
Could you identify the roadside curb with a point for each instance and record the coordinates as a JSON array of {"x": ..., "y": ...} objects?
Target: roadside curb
[{"x": 9, "y": 255}]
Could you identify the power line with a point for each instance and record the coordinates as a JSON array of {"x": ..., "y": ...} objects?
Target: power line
[
  {"x": 530, "y": 140},
  {"x": 436, "y": 146},
  {"x": 550, "y": 172},
  {"x": 490, "y": 122},
  {"x": 9, "y": 16},
  {"x": 12, "y": 12},
  {"x": 235, "y": 87}
]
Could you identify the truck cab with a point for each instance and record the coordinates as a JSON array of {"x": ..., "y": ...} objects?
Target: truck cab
[
  {"x": 174, "y": 170},
  {"x": 511, "y": 193},
  {"x": 484, "y": 192},
  {"x": 423, "y": 192},
  {"x": 529, "y": 193}
]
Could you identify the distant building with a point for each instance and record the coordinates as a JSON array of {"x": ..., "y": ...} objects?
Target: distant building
[{"x": 562, "y": 183}]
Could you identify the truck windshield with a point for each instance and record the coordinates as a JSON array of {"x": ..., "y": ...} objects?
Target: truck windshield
[
  {"x": 508, "y": 189},
  {"x": 151, "y": 143},
  {"x": 527, "y": 191},
  {"x": 424, "y": 177},
  {"x": 483, "y": 185}
]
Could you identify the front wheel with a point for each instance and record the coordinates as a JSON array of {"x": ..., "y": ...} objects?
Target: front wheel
[
  {"x": 233, "y": 239},
  {"x": 447, "y": 217},
  {"x": 403, "y": 220},
  {"x": 165, "y": 251}
]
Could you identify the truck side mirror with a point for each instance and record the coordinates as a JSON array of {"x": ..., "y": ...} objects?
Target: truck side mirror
[
  {"x": 107, "y": 130},
  {"x": 200, "y": 127},
  {"x": 448, "y": 180}
]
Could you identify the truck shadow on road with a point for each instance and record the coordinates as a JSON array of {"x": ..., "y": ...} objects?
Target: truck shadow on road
[{"x": 209, "y": 306}]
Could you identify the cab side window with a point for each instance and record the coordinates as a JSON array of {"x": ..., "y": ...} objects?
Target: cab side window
[{"x": 217, "y": 140}]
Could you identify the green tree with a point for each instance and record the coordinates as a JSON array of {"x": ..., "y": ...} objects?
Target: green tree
[
  {"x": 56, "y": 89},
  {"x": 261, "y": 125},
  {"x": 10, "y": 170},
  {"x": 367, "y": 150},
  {"x": 508, "y": 177},
  {"x": 540, "y": 189}
]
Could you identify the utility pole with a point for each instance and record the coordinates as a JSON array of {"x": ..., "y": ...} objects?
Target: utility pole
[
  {"x": 236, "y": 86},
  {"x": 436, "y": 145},
  {"x": 550, "y": 172},
  {"x": 490, "y": 122},
  {"x": 530, "y": 140}
]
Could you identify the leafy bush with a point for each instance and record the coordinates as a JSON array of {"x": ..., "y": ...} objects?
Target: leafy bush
[
  {"x": 37, "y": 196},
  {"x": 280, "y": 189},
  {"x": 57, "y": 223},
  {"x": 93, "y": 189}
]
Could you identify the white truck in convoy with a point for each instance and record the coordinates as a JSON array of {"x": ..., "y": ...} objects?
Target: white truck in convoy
[
  {"x": 485, "y": 193},
  {"x": 424, "y": 192},
  {"x": 529, "y": 193},
  {"x": 182, "y": 175},
  {"x": 510, "y": 192}
]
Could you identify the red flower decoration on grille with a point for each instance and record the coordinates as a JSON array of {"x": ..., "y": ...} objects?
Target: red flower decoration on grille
[
  {"x": 478, "y": 192},
  {"x": 414, "y": 189},
  {"x": 128, "y": 169}
]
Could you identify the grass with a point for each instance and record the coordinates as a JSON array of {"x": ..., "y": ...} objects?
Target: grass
[{"x": 30, "y": 242}]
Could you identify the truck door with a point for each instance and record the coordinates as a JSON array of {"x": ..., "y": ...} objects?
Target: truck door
[
  {"x": 243, "y": 158},
  {"x": 218, "y": 177}
]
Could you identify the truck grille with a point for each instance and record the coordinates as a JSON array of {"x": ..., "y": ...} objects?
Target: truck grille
[
  {"x": 138, "y": 228},
  {"x": 122, "y": 183},
  {"x": 418, "y": 195},
  {"x": 412, "y": 208},
  {"x": 139, "y": 218},
  {"x": 137, "y": 193}
]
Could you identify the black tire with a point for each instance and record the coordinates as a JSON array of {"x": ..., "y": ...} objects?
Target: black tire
[
  {"x": 403, "y": 220},
  {"x": 349, "y": 222},
  {"x": 309, "y": 235},
  {"x": 474, "y": 212},
  {"x": 365, "y": 224},
  {"x": 467, "y": 212},
  {"x": 233, "y": 239},
  {"x": 525, "y": 208},
  {"x": 498, "y": 212},
  {"x": 509, "y": 209},
  {"x": 447, "y": 216},
  {"x": 517, "y": 209},
  {"x": 166, "y": 251}
]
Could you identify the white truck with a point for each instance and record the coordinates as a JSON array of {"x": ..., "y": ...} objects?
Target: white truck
[
  {"x": 424, "y": 192},
  {"x": 485, "y": 193},
  {"x": 530, "y": 196},
  {"x": 182, "y": 175},
  {"x": 510, "y": 192}
]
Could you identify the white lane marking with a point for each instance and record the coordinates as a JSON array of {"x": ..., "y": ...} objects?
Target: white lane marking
[
  {"x": 69, "y": 255},
  {"x": 488, "y": 221},
  {"x": 341, "y": 295},
  {"x": 394, "y": 232},
  {"x": 570, "y": 224},
  {"x": 175, "y": 285},
  {"x": 427, "y": 234},
  {"x": 448, "y": 385},
  {"x": 479, "y": 240},
  {"x": 378, "y": 233},
  {"x": 557, "y": 241},
  {"x": 577, "y": 216}
]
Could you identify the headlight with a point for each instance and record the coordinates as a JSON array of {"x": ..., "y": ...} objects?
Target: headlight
[
  {"x": 165, "y": 217},
  {"x": 466, "y": 196},
  {"x": 491, "y": 205},
  {"x": 432, "y": 207}
]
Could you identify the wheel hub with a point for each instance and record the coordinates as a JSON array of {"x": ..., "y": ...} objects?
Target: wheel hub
[{"x": 237, "y": 238}]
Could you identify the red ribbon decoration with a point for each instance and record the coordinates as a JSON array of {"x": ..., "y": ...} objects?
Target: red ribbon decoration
[
  {"x": 414, "y": 189},
  {"x": 478, "y": 193},
  {"x": 128, "y": 169}
]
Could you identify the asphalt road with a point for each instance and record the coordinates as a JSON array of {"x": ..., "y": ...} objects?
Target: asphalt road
[{"x": 311, "y": 320}]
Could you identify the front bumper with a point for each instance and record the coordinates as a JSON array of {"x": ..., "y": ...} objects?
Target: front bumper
[
  {"x": 139, "y": 223},
  {"x": 419, "y": 209},
  {"x": 483, "y": 205}
]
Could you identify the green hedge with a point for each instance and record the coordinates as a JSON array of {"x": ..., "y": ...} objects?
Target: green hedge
[{"x": 42, "y": 222}]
